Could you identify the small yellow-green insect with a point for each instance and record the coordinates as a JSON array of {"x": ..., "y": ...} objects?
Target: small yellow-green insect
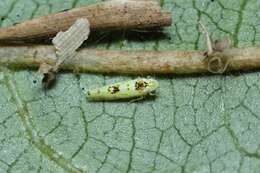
[{"x": 137, "y": 88}]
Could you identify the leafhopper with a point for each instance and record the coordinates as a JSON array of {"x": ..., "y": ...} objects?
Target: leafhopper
[{"x": 137, "y": 88}]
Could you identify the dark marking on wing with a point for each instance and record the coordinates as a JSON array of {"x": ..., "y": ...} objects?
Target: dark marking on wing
[
  {"x": 113, "y": 89},
  {"x": 140, "y": 85}
]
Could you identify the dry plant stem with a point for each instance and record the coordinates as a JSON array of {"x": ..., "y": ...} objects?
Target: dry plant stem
[
  {"x": 109, "y": 15},
  {"x": 129, "y": 62}
]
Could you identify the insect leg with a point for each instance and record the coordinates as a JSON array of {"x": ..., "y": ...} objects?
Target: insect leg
[{"x": 136, "y": 99}]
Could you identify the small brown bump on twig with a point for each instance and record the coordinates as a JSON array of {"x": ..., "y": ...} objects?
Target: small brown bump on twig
[
  {"x": 49, "y": 75},
  {"x": 49, "y": 79}
]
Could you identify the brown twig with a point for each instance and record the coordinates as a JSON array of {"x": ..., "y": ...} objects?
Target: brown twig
[
  {"x": 109, "y": 15},
  {"x": 132, "y": 62}
]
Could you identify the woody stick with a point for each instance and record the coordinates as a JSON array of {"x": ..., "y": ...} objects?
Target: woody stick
[
  {"x": 109, "y": 15},
  {"x": 132, "y": 62}
]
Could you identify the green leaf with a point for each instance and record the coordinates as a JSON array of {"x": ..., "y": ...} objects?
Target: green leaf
[{"x": 196, "y": 124}]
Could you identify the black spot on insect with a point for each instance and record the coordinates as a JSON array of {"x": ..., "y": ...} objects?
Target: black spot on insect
[
  {"x": 140, "y": 85},
  {"x": 113, "y": 89},
  {"x": 34, "y": 81},
  {"x": 88, "y": 93}
]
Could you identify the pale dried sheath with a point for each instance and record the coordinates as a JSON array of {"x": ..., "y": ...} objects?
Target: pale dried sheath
[
  {"x": 129, "y": 62},
  {"x": 69, "y": 41},
  {"x": 109, "y": 15}
]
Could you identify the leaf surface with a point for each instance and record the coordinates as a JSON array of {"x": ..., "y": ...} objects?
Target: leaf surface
[{"x": 204, "y": 124}]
